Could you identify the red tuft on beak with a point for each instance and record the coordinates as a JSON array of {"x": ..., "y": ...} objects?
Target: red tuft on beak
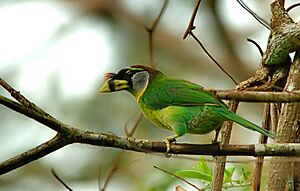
[{"x": 108, "y": 76}]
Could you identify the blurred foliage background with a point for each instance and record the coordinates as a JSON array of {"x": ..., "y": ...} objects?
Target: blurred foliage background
[{"x": 56, "y": 52}]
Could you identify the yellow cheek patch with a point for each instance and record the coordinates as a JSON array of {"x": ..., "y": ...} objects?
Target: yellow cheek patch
[
  {"x": 116, "y": 85},
  {"x": 120, "y": 85}
]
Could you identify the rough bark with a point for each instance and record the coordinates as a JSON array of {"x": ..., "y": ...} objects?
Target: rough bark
[{"x": 283, "y": 173}]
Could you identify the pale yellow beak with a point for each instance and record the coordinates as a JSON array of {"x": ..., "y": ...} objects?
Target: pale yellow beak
[
  {"x": 118, "y": 85},
  {"x": 104, "y": 88}
]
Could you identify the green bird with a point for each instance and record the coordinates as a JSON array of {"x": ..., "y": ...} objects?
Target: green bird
[{"x": 174, "y": 104}]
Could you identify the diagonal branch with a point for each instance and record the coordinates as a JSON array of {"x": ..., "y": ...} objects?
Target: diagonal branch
[
  {"x": 256, "y": 16},
  {"x": 60, "y": 180},
  {"x": 151, "y": 30},
  {"x": 178, "y": 177},
  {"x": 38, "y": 152},
  {"x": 30, "y": 109},
  {"x": 189, "y": 31},
  {"x": 211, "y": 57},
  {"x": 191, "y": 25}
]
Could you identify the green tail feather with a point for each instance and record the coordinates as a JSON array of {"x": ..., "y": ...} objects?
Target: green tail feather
[{"x": 249, "y": 125}]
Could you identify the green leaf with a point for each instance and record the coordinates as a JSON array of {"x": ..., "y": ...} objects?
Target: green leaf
[
  {"x": 203, "y": 167},
  {"x": 194, "y": 174},
  {"x": 228, "y": 173},
  {"x": 245, "y": 176},
  {"x": 246, "y": 173}
]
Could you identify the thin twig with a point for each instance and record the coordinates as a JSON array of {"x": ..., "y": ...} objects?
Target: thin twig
[
  {"x": 129, "y": 130},
  {"x": 15, "y": 94},
  {"x": 113, "y": 170},
  {"x": 178, "y": 177},
  {"x": 128, "y": 133},
  {"x": 189, "y": 31},
  {"x": 60, "y": 180},
  {"x": 257, "y": 46},
  {"x": 257, "y": 17},
  {"x": 211, "y": 57},
  {"x": 151, "y": 30},
  {"x": 191, "y": 25},
  {"x": 119, "y": 158},
  {"x": 256, "y": 177},
  {"x": 292, "y": 6}
]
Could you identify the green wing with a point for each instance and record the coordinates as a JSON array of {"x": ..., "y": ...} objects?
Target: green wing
[
  {"x": 192, "y": 97},
  {"x": 167, "y": 91}
]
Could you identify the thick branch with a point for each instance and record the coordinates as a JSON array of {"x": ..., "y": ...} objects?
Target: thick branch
[
  {"x": 287, "y": 132},
  {"x": 256, "y": 96},
  {"x": 68, "y": 135},
  {"x": 73, "y": 135},
  {"x": 42, "y": 117},
  {"x": 33, "y": 154},
  {"x": 146, "y": 146}
]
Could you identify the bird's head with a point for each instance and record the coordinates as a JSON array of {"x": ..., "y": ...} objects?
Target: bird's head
[{"x": 134, "y": 79}]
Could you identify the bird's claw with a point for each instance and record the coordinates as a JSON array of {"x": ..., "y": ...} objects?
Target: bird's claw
[
  {"x": 215, "y": 142},
  {"x": 168, "y": 141}
]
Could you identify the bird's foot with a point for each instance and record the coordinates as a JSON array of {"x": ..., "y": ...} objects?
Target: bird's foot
[
  {"x": 168, "y": 141},
  {"x": 215, "y": 140},
  {"x": 217, "y": 143}
]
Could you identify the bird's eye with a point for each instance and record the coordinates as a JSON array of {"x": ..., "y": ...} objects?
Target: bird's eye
[{"x": 129, "y": 72}]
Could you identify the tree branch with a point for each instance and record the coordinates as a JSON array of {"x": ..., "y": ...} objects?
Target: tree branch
[
  {"x": 30, "y": 109},
  {"x": 256, "y": 16},
  {"x": 287, "y": 132},
  {"x": 72, "y": 135},
  {"x": 178, "y": 177},
  {"x": 38, "y": 152},
  {"x": 189, "y": 31},
  {"x": 151, "y": 30},
  {"x": 257, "y": 172},
  {"x": 138, "y": 145},
  {"x": 219, "y": 169},
  {"x": 60, "y": 180},
  {"x": 191, "y": 25},
  {"x": 257, "y": 96},
  {"x": 283, "y": 39}
]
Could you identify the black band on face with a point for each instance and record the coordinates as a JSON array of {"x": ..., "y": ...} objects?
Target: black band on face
[
  {"x": 124, "y": 74},
  {"x": 111, "y": 85}
]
